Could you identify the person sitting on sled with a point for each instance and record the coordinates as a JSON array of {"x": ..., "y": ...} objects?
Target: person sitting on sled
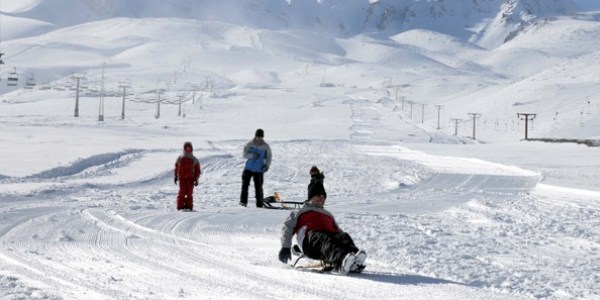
[
  {"x": 319, "y": 236},
  {"x": 187, "y": 172},
  {"x": 315, "y": 175}
]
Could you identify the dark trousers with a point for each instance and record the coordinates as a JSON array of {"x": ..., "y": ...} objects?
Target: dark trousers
[
  {"x": 258, "y": 187},
  {"x": 185, "y": 198},
  {"x": 329, "y": 247}
]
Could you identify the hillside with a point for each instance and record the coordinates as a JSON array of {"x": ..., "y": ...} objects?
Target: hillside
[
  {"x": 263, "y": 44},
  {"x": 378, "y": 94}
]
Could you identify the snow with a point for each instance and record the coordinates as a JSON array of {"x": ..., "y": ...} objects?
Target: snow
[{"x": 87, "y": 207}]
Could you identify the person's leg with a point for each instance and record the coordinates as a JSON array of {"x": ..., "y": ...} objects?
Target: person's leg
[
  {"x": 344, "y": 239},
  {"x": 312, "y": 248},
  {"x": 181, "y": 195},
  {"x": 246, "y": 176},
  {"x": 327, "y": 247},
  {"x": 189, "y": 200},
  {"x": 258, "y": 188}
]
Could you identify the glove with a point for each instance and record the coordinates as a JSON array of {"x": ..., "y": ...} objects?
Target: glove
[
  {"x": 255, "y": 156},
  {"x": 265, "y": 168},
  {"x": 196, "y": 182},
  {"x": 285, "y": 254},
  {"x": 175, "y": 180}
]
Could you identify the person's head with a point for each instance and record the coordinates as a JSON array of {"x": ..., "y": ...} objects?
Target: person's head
[
  {"x": 314, "y": 170},
  {"x": 318, "y": 200},
  {"x": 187, "y": 147},
  {"x": 317, "y": 194},
  {"x": 260, "y": 134},
  {"x": 316, "y": 174}
]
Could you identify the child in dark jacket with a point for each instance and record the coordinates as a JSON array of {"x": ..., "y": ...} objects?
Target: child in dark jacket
[
  {"x": 187, "y": 172},
  {"x": 315, "y": 175}
]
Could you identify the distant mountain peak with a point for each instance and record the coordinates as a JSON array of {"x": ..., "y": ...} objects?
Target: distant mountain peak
[{"x": 487, "y": 22}]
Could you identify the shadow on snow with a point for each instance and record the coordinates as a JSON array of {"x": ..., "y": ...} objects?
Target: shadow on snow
[{"x": 403, "y": 279}]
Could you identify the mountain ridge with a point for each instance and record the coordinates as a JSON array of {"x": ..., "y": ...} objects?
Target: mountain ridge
[{"x": 488, "y": 23}]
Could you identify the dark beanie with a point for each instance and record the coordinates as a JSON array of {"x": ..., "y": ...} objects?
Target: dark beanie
[
  {"x": 316, "y": 189},
  {"x": 259, "y": 133},
  {"x": 186, "y": 144},
  {"x": 314, "y": 170}
]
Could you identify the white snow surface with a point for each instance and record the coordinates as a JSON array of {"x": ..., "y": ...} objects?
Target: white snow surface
[{"x": 87, "y": 206}]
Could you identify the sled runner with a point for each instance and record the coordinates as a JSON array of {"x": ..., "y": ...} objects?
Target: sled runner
[
  {"x": 317, "y": 266},
  {"x": 275, "y": 202}
]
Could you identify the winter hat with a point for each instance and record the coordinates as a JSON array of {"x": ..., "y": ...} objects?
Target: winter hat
[
  {"x": 314, "y": 170},
  {"x": 316, "y": 189},
  {"x": 188, "y": 144},
  {"x": 259, "y": 133}
]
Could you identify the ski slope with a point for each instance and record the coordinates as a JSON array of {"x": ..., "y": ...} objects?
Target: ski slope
[
  {"x": 86, "y": 236},
  {"x": 96, "y": 219},
  {"x": 87, "y": 206}
]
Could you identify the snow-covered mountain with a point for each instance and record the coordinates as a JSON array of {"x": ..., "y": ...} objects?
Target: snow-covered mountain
[
  {"x": 488, "y": 22},
  {"x": 485, "y": 56},
  {"x": 381, "y": 95}
]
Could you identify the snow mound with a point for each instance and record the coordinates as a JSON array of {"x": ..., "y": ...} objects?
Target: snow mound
[
  {"x": 255, "y": 78},
  {"x": 16, "y": 27}
]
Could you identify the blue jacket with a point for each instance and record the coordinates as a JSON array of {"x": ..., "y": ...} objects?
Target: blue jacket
[{"x": 258, "y": 155}]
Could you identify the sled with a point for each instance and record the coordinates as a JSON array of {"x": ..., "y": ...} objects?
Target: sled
[
  {"x": 316, "y": 266},
  {"x": 275, "y": 202}
]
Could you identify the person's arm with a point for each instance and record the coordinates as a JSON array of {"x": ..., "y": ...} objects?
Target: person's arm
[
  {"x": 249, "y": 151},
  {"x": 176, "y": 170},
  {"x": 269, "y": 156},
  {"x": 287, "y": 231},
  {"x": 197, "y": 170}
]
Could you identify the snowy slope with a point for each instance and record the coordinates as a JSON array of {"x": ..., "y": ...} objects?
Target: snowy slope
[
  {"x": 441, "y": 227},
  {"x": 350, "y": 86}
]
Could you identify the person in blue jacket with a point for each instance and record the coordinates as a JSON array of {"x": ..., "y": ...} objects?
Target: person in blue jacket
[{"x": 258, "y": 160}]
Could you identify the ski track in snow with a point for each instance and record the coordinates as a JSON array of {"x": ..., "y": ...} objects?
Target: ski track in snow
[
  {"x": 460, "y": 231},
  {"x": 103, "y": 226}
]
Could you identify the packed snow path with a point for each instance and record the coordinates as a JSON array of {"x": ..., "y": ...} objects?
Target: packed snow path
[{"x": 434, "y": 227}]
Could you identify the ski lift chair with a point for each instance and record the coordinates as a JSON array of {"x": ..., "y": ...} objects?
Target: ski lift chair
[
  {"x": 30, "y": 83},
  {"x": 13, "y": 78}
]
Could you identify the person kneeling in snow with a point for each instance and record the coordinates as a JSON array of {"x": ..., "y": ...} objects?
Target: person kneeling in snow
[
  {"x": 319, "y": 236},
  {"x": 187, "y": 172}
]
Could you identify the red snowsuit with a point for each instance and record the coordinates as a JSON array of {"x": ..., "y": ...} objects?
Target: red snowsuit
[{"x": 187, "y": 171}]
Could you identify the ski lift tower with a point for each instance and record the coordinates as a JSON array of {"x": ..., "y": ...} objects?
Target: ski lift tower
[
  {"x": 526, "y": 117},
  {"x": 159, "y": 92},
  {"x": 474, "y": 116},
  {"x": 102, "y": 93},
  {"x": 78, "y": 78},
  {"x": 181, "y": 96},
  {"x": 124, "y": 86}
]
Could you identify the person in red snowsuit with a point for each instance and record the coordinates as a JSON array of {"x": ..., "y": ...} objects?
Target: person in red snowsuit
[{"x": 187, "y": 172}]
